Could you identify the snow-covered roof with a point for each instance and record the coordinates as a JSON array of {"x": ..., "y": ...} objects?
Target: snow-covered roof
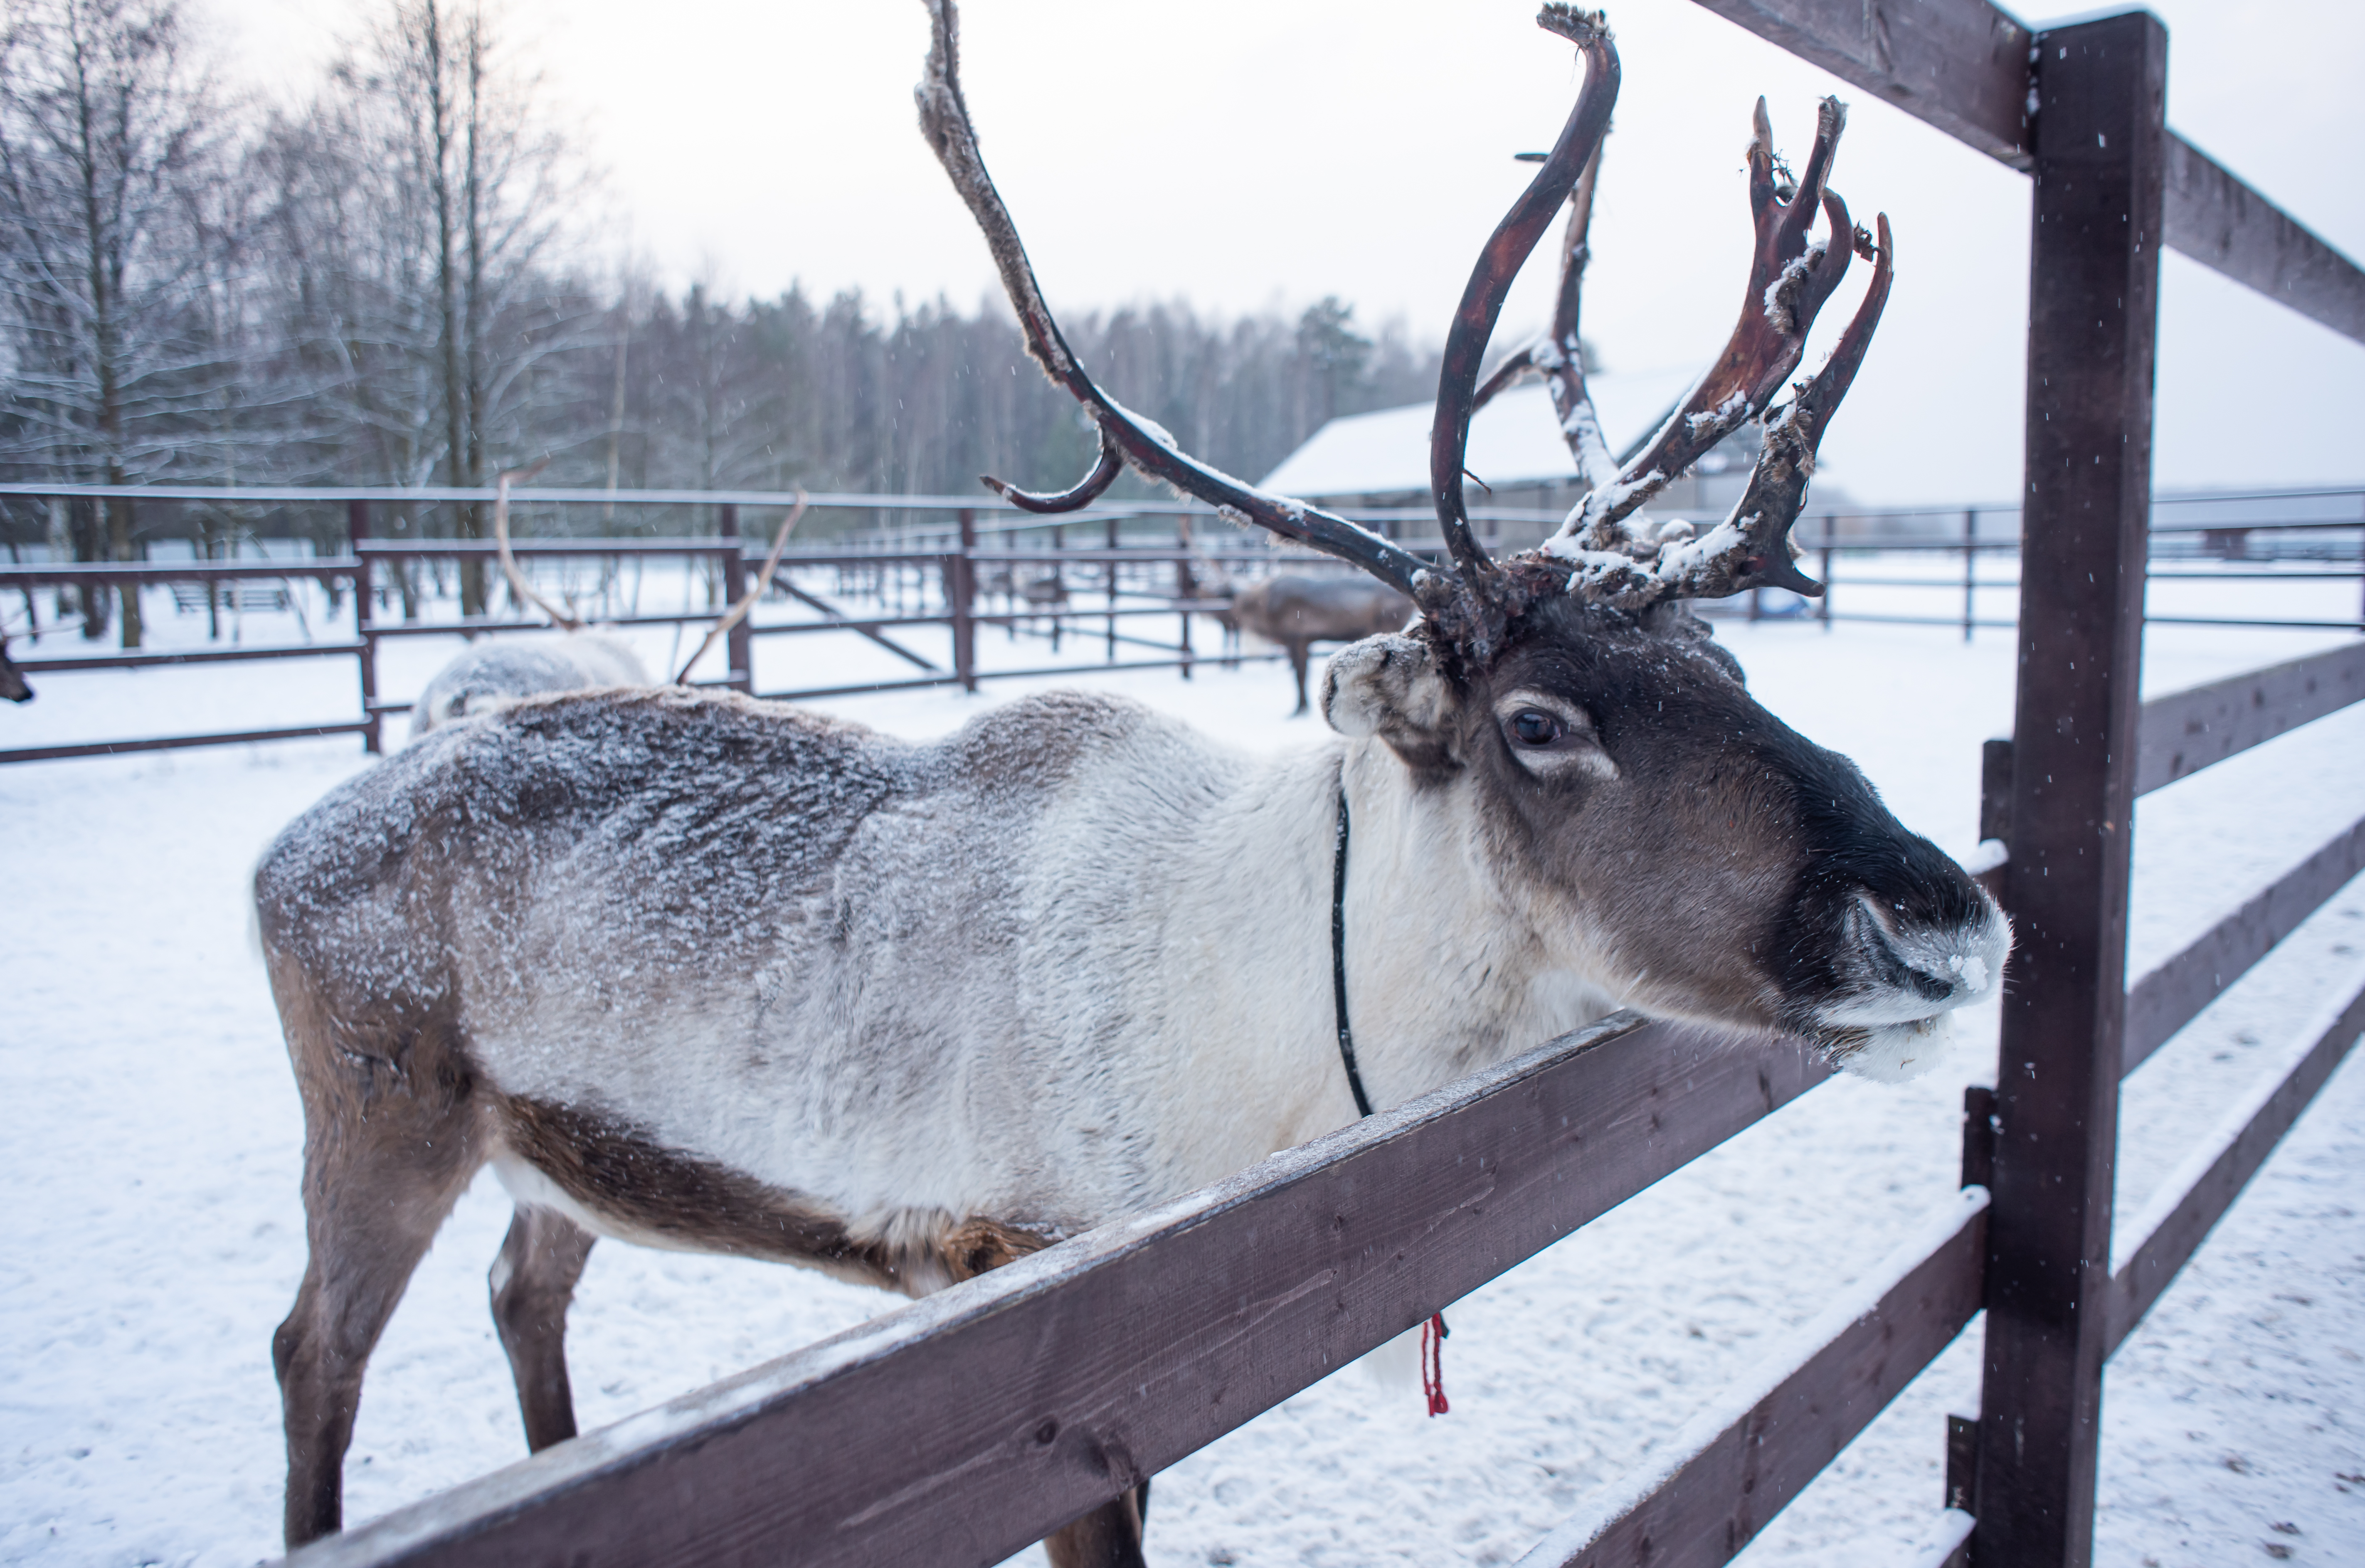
[{"x": 1514, "y": 441}]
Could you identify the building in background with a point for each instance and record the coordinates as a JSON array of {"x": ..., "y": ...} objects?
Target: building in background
[{"x": 1380, "y": 459}]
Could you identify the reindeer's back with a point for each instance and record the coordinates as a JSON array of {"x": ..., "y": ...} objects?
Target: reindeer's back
[{"x": 677, "y": 802}]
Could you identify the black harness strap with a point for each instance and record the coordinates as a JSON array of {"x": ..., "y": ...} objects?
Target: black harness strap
[
  {"x": 1338, "y": 955},
  {"x": 1432, "y": 1328}
]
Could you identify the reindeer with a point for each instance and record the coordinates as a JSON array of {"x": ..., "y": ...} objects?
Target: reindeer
[
  {"x": 1046, "y": 595},
  {"x": 1297, "y": 611},
  {"x": 1200, "y": 579},
  {"x": 494, "y": 675},
  {"x": 699, "y": 971}
]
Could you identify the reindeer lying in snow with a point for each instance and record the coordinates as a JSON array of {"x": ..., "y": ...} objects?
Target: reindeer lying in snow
[
  {"x": 496, "y": 674},
  {"x": 704, "y": 972}
]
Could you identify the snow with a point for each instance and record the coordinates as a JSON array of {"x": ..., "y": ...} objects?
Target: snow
[
  {"x": 1734, "y": 1402},
  {"x": 152, "y": 1236},
  {"x": 1515, "y": 440}
]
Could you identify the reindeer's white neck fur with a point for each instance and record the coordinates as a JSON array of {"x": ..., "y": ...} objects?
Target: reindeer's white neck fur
[{"x": 1446, "y": 971}]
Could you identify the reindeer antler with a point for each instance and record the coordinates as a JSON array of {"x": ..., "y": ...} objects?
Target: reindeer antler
[
  {"x": 1085, "y": 491},
  {"x": 524, "y": 589},
  {"x": 1789, "y": 280},
  {"x": 1598, "y": 554},
  {"x": 1506, "y": 251},
  {"x": 746, "y": 601},
  {"x": 1752, "y": 548},
  {"x": 1559, "y": 354},
  {"x": 1595, "y": 553},
  {"x": 1125, "y": 437}
]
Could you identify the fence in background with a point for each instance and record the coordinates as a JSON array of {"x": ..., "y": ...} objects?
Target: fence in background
[{"x": 971, "y": 571}]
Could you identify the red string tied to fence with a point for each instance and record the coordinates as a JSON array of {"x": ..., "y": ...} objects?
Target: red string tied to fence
[{"x": 1433, "y": 1363}]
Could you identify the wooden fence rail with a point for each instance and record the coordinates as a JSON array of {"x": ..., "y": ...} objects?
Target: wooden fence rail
[
  {"x": 2196, "y": 1195},
  {"x": 2188, "y": 730},
  {"x": 2172, "y": 995},
  {"x": 963, "y": 1428},
  {"x": 1739, "y": 1462},
  {"x": 1971, "y": 69}
]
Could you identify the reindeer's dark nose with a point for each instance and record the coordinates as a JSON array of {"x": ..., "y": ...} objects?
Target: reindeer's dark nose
[{"x": 1896, "y": 969}]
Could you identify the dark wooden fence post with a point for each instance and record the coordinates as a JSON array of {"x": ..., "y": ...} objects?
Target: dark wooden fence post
[
  {"x": 1823, "y": 609},
  {"x": 1112, "y": 590},
  {"x": 356, "y": 531},
  {"x": 739, "y": 643},
  {"x": 2093, "y": 309},
  {"x": 961, "y": 588},
  {"x": 127, "y": 606}
]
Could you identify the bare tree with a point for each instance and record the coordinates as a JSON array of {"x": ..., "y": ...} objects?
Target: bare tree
[
  {"x": 100, "y": 140},
  {"x": 420, "y": 214}
]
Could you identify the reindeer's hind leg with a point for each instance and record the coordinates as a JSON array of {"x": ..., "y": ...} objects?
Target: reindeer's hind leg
[
  {"x": 389, "y": 1144},
  {"x": 1299, "y": 658},
  {"x": 1108, "y": 1536},
  {"x": 534, "y": 1279}
]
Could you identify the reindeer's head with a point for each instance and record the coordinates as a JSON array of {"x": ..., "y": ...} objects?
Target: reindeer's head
[{"x": 1678, "y": 841}]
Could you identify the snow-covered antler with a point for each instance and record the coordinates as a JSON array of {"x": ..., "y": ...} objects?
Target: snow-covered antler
[
  {"x": 1752, "y": 548},
  {"x": 1596, "y": 553},
  {"x": 746, "y": 601},
  {"x": 1126, "y": 439},
  {"x": 1789, "y": 279},
  {"x": 518, "y": 584},
  {"x": 1610, "y": 560}
]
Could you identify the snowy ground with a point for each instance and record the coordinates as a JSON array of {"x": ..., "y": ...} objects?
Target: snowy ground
[{"x": 151, "y": 1235}]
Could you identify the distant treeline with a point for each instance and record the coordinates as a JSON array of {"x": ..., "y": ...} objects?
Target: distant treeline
[{"x": 385, "y": 285}]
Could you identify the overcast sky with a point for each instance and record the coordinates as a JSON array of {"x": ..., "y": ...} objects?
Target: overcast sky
[{"x": 1240, "y": 154}]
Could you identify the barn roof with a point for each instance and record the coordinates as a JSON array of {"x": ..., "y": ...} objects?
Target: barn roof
[{"x": 1514, "y": 441}]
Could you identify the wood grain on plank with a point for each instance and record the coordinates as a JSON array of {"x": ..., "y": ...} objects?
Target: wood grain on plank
[{"x": 965, "y": 1427}]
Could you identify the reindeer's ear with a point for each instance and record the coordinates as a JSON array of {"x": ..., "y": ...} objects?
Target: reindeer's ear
[{"x": 1391, "y": 687}]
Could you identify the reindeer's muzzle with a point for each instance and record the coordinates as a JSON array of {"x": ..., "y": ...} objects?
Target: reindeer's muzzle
[{"x": 1881, "y": 963}]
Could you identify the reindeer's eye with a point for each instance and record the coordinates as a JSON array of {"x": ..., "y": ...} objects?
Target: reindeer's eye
[{"x": 1533, "y": 726}]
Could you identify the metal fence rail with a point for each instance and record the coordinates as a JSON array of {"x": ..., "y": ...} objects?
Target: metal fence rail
[{"x": 946, "y": 569}]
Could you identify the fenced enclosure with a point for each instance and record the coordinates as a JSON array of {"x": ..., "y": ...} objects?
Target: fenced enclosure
[
  {"x": 964, "y": 1427},
  {"x": 1145, "y": 584}
]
